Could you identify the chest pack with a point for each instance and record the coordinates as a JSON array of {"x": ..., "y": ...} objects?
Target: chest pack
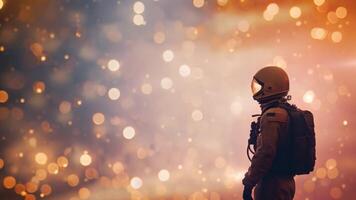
[{"x": 302, "y": 139}]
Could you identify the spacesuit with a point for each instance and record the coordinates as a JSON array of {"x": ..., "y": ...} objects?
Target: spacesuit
[{"x": 270, "y": 172}]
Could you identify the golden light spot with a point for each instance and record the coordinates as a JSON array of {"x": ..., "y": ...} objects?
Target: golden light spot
[
  {"x": 9, "y": 182},
  {"x": 41, "y": 158},
  {"x": 118, "y": 167},
  {"x": 113, "y": 65},
  {"x": 138, "y": 7},
  {"x": 321, "y": 173},
  {"x": 2, "y": 163},
  {"x": 62, "y": 162},
  {"x": 336, "y": 36},
  {"x": 41, "y": 174},
  {"x": 198, "y": 3},
  {"x": 341, "y": 12},
  {"x": 159, "y": 37},
  {"x": 168, "y": 55},
  {"x": 84, "y": 193},
  {"x": 78, "y": 34},
  {"x": 66, "y": 56},
  {"x": 271, "y": 10},
  {"x": 267, "y": 16},
  {"x": 2, "y": 48},
  {"x": 184, "y": 70},
  {"x": 146, "y": 88},
  {"x": 222, "y": 2},
  {"x": 166, "y": 83},
  {"x": 52, "y": 35},
  {"x": 197, "y": 115},
  {"x": 336, "y": 193},
  {"x": 163, "y": 175},
  {"x": 31, "y": 187},
  {"x": 318, "y": 33},
  {"x": 136, "y": 183},
  {"x": 65, "y": 107},
  {"x": 85, "y": 159},
  {"x": 53, "y": 168},
  {"x": 319, "y": 2},
  {"x": 3, "y": 96},
  {"x": 73, "y": 180},
  {"x": 345, "y": 122},
  {"x": 295, "y": 12},
  {"x": 332, "y": 18},
  {"x": 1, "y": 4},
  {"x": 236, "y": 108},
  {"x": 333, "y": 173},
  {"x": 46, "y": 189},
  {"x": 129, "y": 132},
  {"x": 98, "y": 118},
  {"x": 114, "y": 93},
  {"x": 139, "y": 20},
  {"x": 308, "y": 96},
  {"x": 43, "y": 58},
  {"x": 39, "y": 87}
]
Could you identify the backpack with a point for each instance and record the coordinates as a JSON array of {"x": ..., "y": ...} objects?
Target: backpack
[{"x": 302, "y": 138}]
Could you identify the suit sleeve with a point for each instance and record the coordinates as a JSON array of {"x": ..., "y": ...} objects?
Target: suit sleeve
[{"x": 267, "y": 142}]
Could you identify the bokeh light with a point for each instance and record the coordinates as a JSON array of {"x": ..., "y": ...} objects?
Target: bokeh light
[
  {"x": 136, "y": 182},
  {"x": 163, "y": 175},
  {"x": 98, "y": 118},
  {"x": 85, "y": 159},
  {"x": 138, "y": 7},
  {"x": 184, "y": 70},
  {"x": 318, "y": 33},
  {"x": 168, "y": 55},
  {"x": 113, "y": 65},
  {"x": 84, "y": 193},
  {"x": 73, "y": 180},
  {"x": 166, "y": 83},
  {"x": 309, "y": 96},
  {"x": 295, "y": 12},
  {"x": 41, "y": 158},
  {"x": 129, "y": 132},
  {"x": 114, "y": 93},
  {"x": 9, "y": 182},
  {"x": 3, "y": 96}
]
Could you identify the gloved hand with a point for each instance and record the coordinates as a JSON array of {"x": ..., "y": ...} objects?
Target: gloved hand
[{"x": 247, "y": 193}]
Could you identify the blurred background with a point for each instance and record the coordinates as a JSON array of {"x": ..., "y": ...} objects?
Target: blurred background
[{"x": 150, "y": 99}]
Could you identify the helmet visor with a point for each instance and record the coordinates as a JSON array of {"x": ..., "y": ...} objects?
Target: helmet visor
[{"x": 255, "y": 86}]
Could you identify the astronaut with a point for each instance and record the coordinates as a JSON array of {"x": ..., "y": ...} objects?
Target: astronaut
[{"x": 269, "y": 171}]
